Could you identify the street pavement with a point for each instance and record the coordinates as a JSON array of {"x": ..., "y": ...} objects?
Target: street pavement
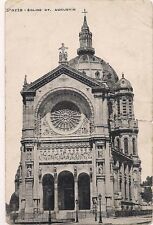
[
  {"x": 118, "y": 221},
  {"x": 143, "y": 220}
]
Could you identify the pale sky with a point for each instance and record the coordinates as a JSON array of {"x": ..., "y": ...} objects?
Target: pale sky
[{"x": 122, "y": 36}]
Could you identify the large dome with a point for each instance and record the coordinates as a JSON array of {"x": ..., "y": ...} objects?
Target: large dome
[{"x": 94, "y": 67}]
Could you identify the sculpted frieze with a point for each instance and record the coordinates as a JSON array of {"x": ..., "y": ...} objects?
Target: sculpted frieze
[{"x": 65, "y": 152}]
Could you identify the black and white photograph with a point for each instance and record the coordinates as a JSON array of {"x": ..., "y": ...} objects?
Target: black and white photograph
[{"x": 78, "y": 112}]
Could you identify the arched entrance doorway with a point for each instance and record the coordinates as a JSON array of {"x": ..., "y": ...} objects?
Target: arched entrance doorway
[
  {"x": 66, "y": 190},
  {"x": 84, "y": 191},
  {"x": 48, "y": 192}
]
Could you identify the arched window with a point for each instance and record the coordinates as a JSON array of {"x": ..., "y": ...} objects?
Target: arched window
[
  {"x": 125, "y": 145},
  {"x": 133, "y": 146}
]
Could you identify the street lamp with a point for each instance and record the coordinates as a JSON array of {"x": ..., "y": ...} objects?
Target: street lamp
[
  {"x": 76, "y": 219},
  {"x": 100, "y": 214}
]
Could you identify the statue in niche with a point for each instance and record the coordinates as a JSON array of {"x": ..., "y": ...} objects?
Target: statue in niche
[
  {"x": 20, "y": 170},
  {"x": 100, "y": 169},
  {"x": 45, "y": 155},
  {"x": 60, "y": 56},
  {"x": 29, "y": 156},
  {"x": 100, "y": 154},
  {"x": 40, "y": 173},
  {"x": 135, "y": 177},
  {"x": 65, "y": 56},
  {"x": 29, "y": 170}
]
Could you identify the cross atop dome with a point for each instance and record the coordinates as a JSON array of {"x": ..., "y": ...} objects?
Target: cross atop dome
[
  {"x": 85, "y": 12},
  {"x": 85, "y": 25}
]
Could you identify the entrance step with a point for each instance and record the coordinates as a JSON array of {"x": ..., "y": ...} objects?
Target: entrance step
[
  {"x": 62, "y": 215},
  {"x": 70, "y": 215}
]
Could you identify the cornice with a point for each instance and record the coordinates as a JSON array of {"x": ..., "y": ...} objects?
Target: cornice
[{"x": 31, "y": 88}]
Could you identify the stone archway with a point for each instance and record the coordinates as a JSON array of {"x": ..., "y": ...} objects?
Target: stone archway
[
  {"x": 84, "y": 191},
  {"x": 66, "y": 191},
  {"x": 55, "y": 105},
  {"x": 48, "y": 192}
]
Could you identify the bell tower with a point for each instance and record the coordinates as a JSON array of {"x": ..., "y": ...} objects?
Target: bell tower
[{"x": 85, "y": 38}]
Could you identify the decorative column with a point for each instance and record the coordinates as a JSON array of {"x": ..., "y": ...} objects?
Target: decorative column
[
  {"x": 115, "y": 181},
  {"x": 127, "y": 183},
  {"x": 91, "y": 191},
  {"x": 36, "y": 196},
  {"x": 108, "y": 176},
  {"x": 130, "y": 149},
  {"x": 40, "y": 189},
  {"x": 123, "y": 183},
  {"x": 130, "y": 197},
  {"x": 22, "y": 184},
  {"x": 94, "y": 187},
  {"x": 132, "y": 184},
  {"x": 75, "y": 187},
  {"x": 55, "y": 190}
]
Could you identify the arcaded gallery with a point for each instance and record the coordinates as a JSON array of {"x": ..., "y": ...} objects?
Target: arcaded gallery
[{"x": 79, "y": 139}]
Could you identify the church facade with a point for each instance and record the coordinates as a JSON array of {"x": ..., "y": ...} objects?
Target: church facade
[{"x": 79, "y": 138}]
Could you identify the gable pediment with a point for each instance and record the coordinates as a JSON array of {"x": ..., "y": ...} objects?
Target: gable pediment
[{"x": 59, "y": 71}]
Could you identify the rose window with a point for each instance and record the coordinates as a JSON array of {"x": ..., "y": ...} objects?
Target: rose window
[{"x": 65, "y": 116}]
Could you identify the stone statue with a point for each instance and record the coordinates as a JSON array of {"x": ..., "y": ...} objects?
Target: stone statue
[
  {"x": 63, "y": 54},
  {"x": 100, "y": 169},
  {"x": 40, "y": 173},
  {"x": 60, "y": 56},
  {"x": 29, "y": 171}
]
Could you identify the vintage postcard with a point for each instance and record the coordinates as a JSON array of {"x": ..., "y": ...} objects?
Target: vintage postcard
[{"x": 78, "y": 111}]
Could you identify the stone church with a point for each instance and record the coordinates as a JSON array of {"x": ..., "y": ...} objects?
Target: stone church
[{"x": 79, "y": 139}]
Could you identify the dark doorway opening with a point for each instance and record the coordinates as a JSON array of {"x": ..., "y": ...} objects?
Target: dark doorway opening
[
  {"x": 66, "y": 191},
  {"x": 84, "y": 191},
  {"x": 48, "y": 192}
]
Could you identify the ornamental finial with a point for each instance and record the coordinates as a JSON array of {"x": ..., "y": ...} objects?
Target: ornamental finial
[
  {"x": 25, "y": 80},
  {"x": 122, "y": 75},
  {"x": 63, "y": 54},
  {"x": 85, "y": 26}
]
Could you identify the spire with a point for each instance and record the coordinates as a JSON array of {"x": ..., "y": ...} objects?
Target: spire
[
  {"x": 63, "y": 54},
  {"x": 85, "y": 38},
  {"x": 85, "y": 25}
]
